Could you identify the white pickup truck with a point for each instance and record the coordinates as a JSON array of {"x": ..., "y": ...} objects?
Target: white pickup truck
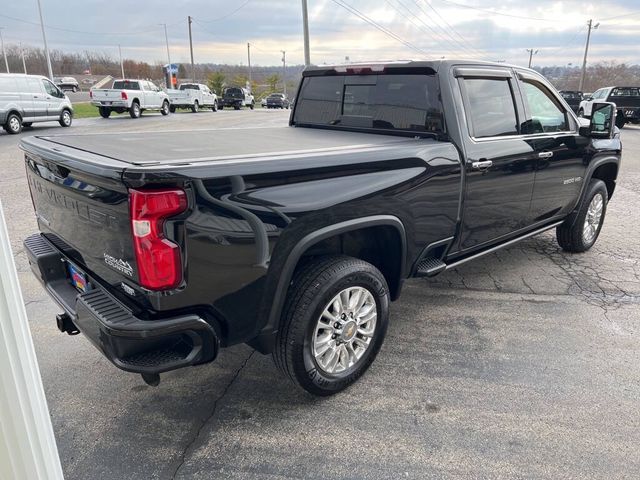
[
  {"x": 193, "y": 96},
  {"x": 133, "y": 96}
]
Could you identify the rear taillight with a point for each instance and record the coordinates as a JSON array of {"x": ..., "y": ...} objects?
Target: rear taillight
[
  {"x": 158, "y": 258},
  {"x": 90, "y": 93},
  {"x": 124, "y": 95}
]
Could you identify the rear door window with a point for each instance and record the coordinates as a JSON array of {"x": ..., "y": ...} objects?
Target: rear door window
[
  {"x": 8, "y": 85},
  {"x": 491, "y": 107}
]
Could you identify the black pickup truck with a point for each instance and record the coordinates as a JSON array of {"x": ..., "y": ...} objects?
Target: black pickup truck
[{"x": 296, "y": 241}]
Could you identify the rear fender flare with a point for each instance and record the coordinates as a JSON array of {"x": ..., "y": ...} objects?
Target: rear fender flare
[{"x": 312, "y": 238}]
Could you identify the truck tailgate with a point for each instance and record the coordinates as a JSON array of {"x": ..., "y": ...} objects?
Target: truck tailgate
[{"x": 82, "y": 208}]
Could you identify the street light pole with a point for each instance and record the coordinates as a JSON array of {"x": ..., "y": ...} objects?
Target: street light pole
[
  {"x": 44, "y": 39},
  {"x": 4, "y": 53},
  {"x": 193, "y": 74},
  {"x": 532, "y": 52},
  {"x": 284, "y": 71},
  {"x": 121, "y": 63},
  {"x": 166, "y": 39},
  {"x": 586, "y": 52},
  {"x": 305, "y": 29},
  {"x": 249, "y": 61},
  {"x": 24, "y": 64}
]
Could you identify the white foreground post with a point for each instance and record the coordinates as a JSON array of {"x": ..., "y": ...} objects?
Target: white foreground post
[{"x": 27, "y": 446}]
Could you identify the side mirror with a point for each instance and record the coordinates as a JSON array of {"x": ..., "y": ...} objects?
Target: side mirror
[{"x": 602, "y": 121}]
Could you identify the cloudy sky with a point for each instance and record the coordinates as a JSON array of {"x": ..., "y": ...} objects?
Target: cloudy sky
[{"x": 359, "y": 29}]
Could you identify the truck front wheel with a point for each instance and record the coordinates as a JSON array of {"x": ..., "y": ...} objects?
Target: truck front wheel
[
  {"x": 580, "y": 230},
  {"x": 333, "y": 324}
]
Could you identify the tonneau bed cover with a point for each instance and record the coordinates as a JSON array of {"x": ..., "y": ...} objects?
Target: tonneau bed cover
[{"x": 186, "y": 147}]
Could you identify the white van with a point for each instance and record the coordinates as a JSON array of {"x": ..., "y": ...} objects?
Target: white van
[{"x": 27, "y": 99}]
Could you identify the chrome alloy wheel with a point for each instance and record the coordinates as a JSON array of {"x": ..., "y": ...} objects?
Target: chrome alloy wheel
[
  {"x": 593, "y": 218},
  {"x": 344, "y": 330}
]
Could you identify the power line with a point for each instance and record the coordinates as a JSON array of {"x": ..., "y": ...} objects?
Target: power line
[
  {"x": 67, "y": 30},
  {"x": 497, "y": 12},
  {"x": 428, "y": 3},
  {"x": 376, "y": 25},
  {"x": 228, "y": 14},
  {"x": 462, "y": 48}
]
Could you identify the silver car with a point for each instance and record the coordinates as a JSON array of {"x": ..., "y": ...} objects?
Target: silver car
[{"x": 26, "y": 99}]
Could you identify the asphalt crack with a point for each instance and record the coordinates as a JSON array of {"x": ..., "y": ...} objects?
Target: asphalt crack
[{"x": 189, "y": 447}]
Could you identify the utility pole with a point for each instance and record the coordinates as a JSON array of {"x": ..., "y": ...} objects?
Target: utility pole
[
  {"x": 46, "y": 47},
  {"x": 121, "y": 63},
  {"x": 284, "y": 71},
  {"x": 193, "y": 70},
  {"x": 4, "y": 53},
  {"x": 249, "y": 61},
  {"x": 586, "y": 52},
  {"x": 24, "y": 64},
  {"x": 532, "y": 52},
  {"x": 305, "y": 29}
]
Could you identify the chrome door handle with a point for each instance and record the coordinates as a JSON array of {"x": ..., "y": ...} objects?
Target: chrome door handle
[
  {"x": 545, "y": 154},
  {"x": 483, "y": 165}
]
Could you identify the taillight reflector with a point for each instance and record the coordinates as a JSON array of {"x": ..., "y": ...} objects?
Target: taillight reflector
[
  {"x": 158, "y": 258},
  {"x": 124, "y": 95}
]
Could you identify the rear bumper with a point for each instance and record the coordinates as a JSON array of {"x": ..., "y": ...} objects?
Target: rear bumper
[
  {"x": 130, "y": 343},
  {"x": 110, "y": 104}
]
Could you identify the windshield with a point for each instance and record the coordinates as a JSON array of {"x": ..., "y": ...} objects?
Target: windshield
[
  {"x": 126, "y": 85},
  {"x": 571, "y": 95},
  {"x": 189, "y": 86},
  {"x": 386, "y": 102},
  {"x": 276, "y": 95}
]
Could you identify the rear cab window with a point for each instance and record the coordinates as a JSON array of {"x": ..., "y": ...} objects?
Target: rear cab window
[
  {"x": 392, "y": 102},
  {"x": 126, "y": 85}
]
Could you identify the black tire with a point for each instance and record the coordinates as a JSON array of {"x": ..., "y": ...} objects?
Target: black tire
[
  {"x": 104, "y": 112},
  {"x": 134, "y": 110},
  {"x": 172, "y": 109},
  {"x": 313, "y": 288},
  {"x": 66, "y": 118},
  {"x": 236, "y": 107},
  {"x": 13, "y": 125},
  {"x": 581, "y": 113},
  {"x": 195, "y": 107},
  {"x": 571, "y": 233},
  {"x": 166, "y": 108},
  {"x": 252, "y": 106},
  {"x": 215, "y": 106},
  {"x": 27, "y": 124},
  {"x": 220, "y": 107},
  {"x": 620, "y": 120}
]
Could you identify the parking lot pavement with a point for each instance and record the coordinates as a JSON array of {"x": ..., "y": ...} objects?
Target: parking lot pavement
[{"x": 525, "y": 363}]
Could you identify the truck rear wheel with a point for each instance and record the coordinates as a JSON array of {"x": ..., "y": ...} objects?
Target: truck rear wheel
[
  {"x": 134, "y": 110},
  {"x": 620, "y": 120},
  {"x": 172, "y": 109},
  {"x": 333, "y": 323},
  {"x": 215, "y": 106},
  {"x": 580, "y": 230},
  {"x": 104, "y": 112},
  {"x": 195, "y": 107}
]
